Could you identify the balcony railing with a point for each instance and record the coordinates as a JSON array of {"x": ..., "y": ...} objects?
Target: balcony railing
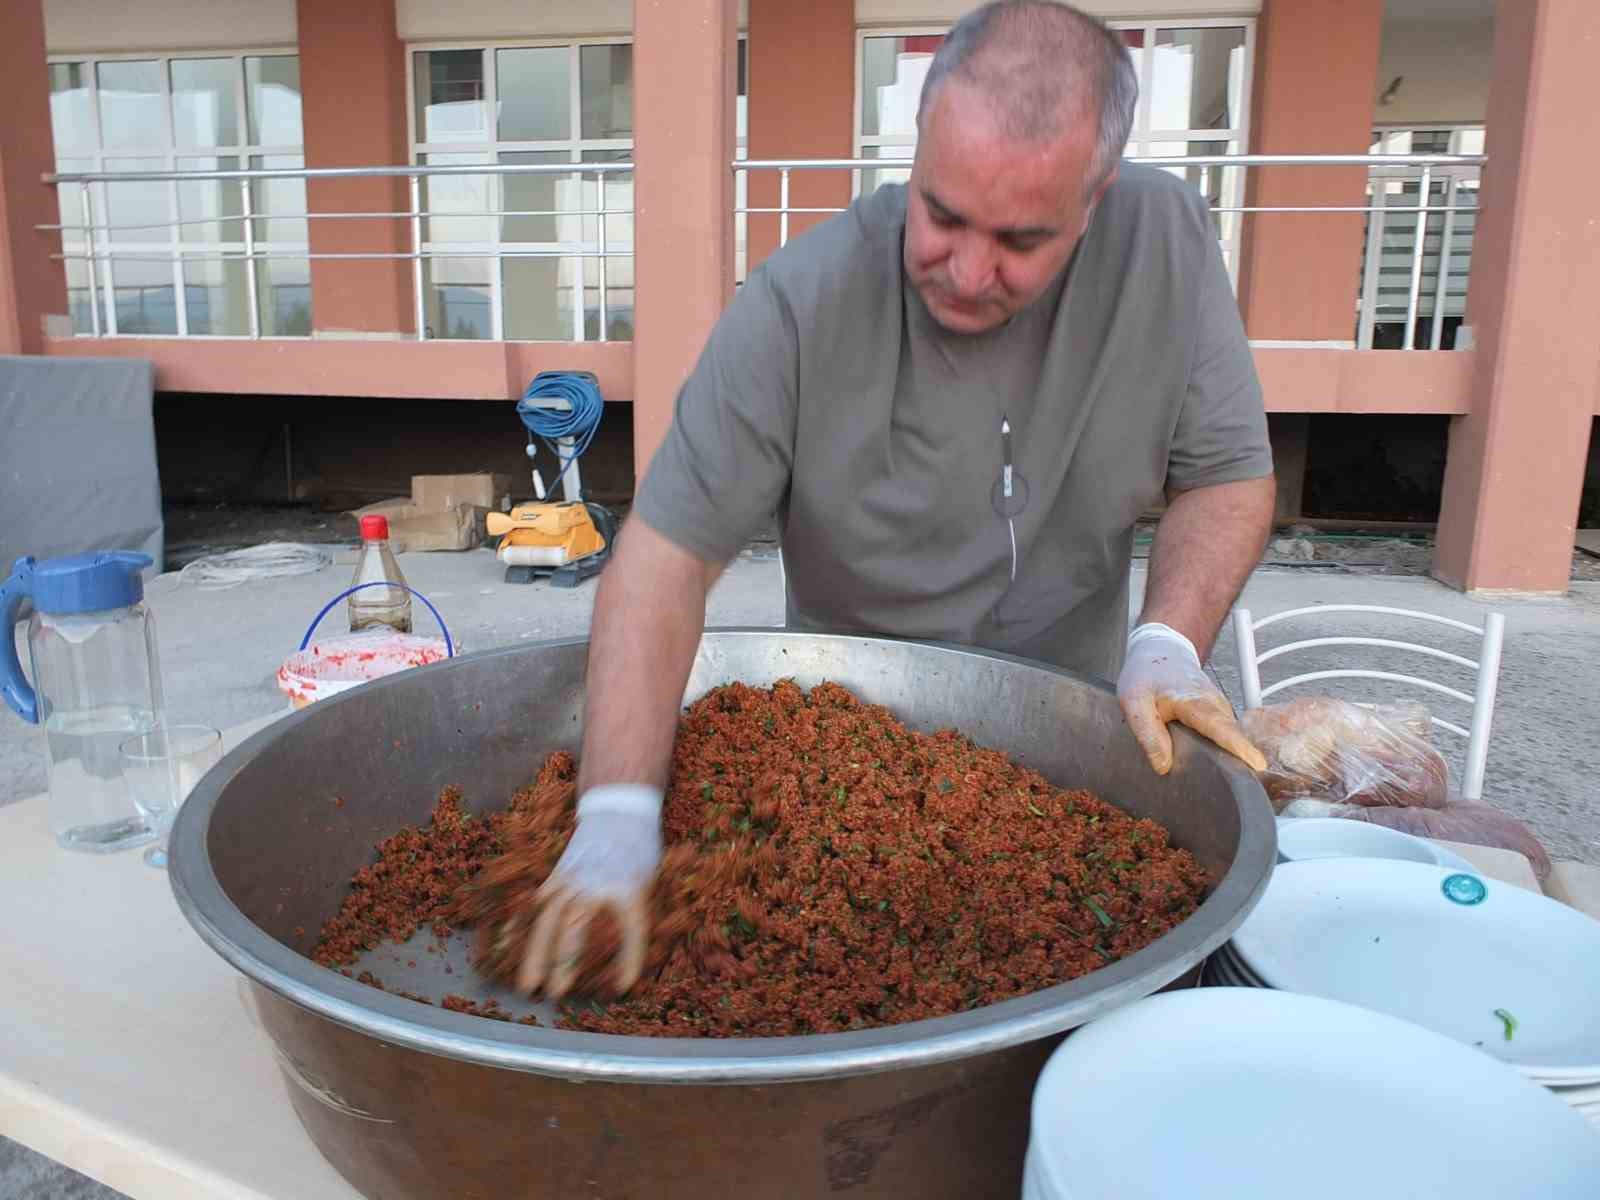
[
  {"x": 600, "y": 233},
  {"x": 1406, "y": 282},
  {"x": 137, "y": 276}
]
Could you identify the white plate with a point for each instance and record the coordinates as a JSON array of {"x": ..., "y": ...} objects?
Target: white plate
[
  {"x": 1228, "y": 973},
  {"x": 1577, "y": 1095},
  {"x": 1254, "y": 1094},
  {"x": 1217, "y": 975},
  {"x": 1448, "y": 950},
  {"x": 1235, "y": 966},
  {"x": 1302, "y": 838}
]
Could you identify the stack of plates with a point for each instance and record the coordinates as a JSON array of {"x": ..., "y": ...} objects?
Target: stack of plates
[
  {"x": 1261, "y": 1095},
  {"x": 1335, "y": 837},
  {"x": 1508, "y": 972}
]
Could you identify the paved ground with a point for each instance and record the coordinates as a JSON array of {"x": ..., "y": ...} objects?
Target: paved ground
[{"x": 220, "y": 649}]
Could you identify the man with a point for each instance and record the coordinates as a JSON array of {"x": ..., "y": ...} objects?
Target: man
[{"x": 957, "y": 398}]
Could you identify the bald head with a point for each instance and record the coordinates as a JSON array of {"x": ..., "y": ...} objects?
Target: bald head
[{"x": 1040, "y": 70}]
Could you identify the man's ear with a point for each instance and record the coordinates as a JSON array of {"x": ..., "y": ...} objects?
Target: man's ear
[
  {"x": 1105, "y": 184},
  {"x": 1097, "y": 196}
]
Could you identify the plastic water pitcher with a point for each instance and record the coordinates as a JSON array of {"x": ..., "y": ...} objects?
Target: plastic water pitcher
[{"x": 96, "y": 681}]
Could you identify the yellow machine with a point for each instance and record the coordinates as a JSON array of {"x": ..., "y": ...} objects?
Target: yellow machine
[
  {"x": 571, "y": 540},
  {"x": 566, "y": 541}
]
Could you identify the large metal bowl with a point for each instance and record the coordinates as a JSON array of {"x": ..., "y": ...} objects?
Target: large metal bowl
[{"x": 414, "y": 1101}]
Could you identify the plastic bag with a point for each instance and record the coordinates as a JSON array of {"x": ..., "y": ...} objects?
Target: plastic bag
[
  {"x": 1458, "y": 821},
  {"x": 1320, "y": 748}
]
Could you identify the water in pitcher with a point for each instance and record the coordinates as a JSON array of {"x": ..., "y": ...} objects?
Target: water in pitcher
[{"x": 90, "y": 809}]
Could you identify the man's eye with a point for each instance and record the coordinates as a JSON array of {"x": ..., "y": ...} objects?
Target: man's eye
[
  {"x": 942, "y": 219},
  {"x": 1023, "y": 245}
]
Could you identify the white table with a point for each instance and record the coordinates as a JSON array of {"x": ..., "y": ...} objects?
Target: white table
[{"x": 127, "y": 1051}]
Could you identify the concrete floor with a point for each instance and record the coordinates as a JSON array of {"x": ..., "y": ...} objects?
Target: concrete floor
[{"x": 220, "y": 650}]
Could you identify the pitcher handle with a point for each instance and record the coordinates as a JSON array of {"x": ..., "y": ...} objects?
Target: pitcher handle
[{"x": 21, "y": 698}]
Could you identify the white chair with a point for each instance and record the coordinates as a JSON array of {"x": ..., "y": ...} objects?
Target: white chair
[{"x": 1487, "y": 668}]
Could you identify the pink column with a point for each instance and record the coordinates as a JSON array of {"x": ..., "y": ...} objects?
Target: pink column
[
  {"x": 1516, "y": 462},
  {"x": 802, "y": 104},
  {"x": 683, "y": 122},
  {"x": 32, "y": 284},
  {"x": 353, "y": 93},
  {"x": 1314, "y": 91}
]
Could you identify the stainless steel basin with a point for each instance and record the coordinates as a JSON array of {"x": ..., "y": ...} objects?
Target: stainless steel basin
[{"x": 412, "y": 1101}]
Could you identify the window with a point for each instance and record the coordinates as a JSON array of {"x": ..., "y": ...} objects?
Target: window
[
  {"x": 513, "y": 256},
  {"x": 505, "y": 257},
  {"x": 1194, "y": 81},
  {"x": 174, "y": 250}
]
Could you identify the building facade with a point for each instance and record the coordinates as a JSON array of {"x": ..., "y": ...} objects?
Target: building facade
[{"x": 581, "y": 184}]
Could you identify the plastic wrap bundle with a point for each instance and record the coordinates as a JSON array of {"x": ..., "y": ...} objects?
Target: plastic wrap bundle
[
  {"x": 1331, "y": 758},
  {"x": 1319, "y": 748}
]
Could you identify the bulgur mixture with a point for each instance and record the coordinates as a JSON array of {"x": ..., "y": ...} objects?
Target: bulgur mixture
[{"x": 827, "y": 869}]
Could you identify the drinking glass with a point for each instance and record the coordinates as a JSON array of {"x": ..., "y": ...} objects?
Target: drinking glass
[{"x": 160, "y": 769}]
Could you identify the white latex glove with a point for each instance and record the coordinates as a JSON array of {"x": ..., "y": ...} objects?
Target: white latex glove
[
  {"x": 610, "y": 862},
  {"x": 1162, "y": 681}
]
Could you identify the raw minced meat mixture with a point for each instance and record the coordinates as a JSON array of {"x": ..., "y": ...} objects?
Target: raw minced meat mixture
[{"x": 827, "y": 869}]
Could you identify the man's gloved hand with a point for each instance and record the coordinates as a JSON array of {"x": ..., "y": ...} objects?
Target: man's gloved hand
[
  {"x": 611, "y": 863},
  {"x": 1162, "y": 681}
]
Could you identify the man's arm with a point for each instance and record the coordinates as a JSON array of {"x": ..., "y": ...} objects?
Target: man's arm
[
  {"x": 648, "y": 615},
  {"x": 1208, "y": 542},
  {"x": 1205, "y": 547},
  {"x": 1221, "y": 494},
  {"x": 722, "y": 469}
]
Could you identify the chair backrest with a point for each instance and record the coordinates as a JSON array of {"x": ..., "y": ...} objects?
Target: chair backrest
[{"x": 1487, "y": 668}]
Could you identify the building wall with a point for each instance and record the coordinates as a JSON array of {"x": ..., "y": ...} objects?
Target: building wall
[
  {"x": 353, "y": 76},
  {"x": 1298, "y": 383},
  {"x": 1444, "y": 68},
  {"x": 800, "y": 106},
  {"x": 85, "y": 26},
  {"x": 1315, "y": 64}
]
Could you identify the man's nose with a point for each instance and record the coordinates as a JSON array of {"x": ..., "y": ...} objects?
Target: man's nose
[{"x": 972, "y": 266}]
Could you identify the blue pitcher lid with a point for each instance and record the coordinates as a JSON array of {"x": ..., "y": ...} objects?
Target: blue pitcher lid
[{"x": 93, "y": 582}]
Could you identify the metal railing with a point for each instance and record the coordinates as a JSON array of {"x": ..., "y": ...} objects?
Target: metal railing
[
  {"x": 1400, "y": 240},
  {"x": 98, "y": 252},
  {"x": 1220, "y": 178}
]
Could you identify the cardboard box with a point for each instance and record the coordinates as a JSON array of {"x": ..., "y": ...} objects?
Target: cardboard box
[
  {"x": 445, "y": 512},
  {"x": 411, "y": 529},
  {"x": 431, "y": 493}
]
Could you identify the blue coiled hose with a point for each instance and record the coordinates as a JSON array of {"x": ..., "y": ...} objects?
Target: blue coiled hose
[{"x": 581, "y": 390}]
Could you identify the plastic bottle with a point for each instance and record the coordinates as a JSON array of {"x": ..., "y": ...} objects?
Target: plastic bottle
[{"x": 372, "y": 606}]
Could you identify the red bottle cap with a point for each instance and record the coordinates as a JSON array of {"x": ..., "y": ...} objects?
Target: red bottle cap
[{"x": 374, "y": 528}]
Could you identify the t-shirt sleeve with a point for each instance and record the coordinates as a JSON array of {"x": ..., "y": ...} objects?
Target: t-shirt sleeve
[
  {"x": 725, "y": 463},
  {"x": 1221, "y": 435}
]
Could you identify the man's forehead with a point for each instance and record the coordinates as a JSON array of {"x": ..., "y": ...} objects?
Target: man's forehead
[
  {"x": 965, "y": 157},
  {"x": 998, "y": 193}
]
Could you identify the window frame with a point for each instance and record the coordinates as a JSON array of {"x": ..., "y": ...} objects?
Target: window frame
[
  {"x": 575, "y": 145},
  {"x": 491, "y": 148},
  {"x": 168, "y": 152}
]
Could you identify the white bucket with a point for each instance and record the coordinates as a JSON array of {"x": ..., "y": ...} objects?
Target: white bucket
[{"x": 333, "y": 665}]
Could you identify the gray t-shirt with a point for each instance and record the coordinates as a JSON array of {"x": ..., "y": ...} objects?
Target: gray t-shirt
[{"x": 827, "y": 395}]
